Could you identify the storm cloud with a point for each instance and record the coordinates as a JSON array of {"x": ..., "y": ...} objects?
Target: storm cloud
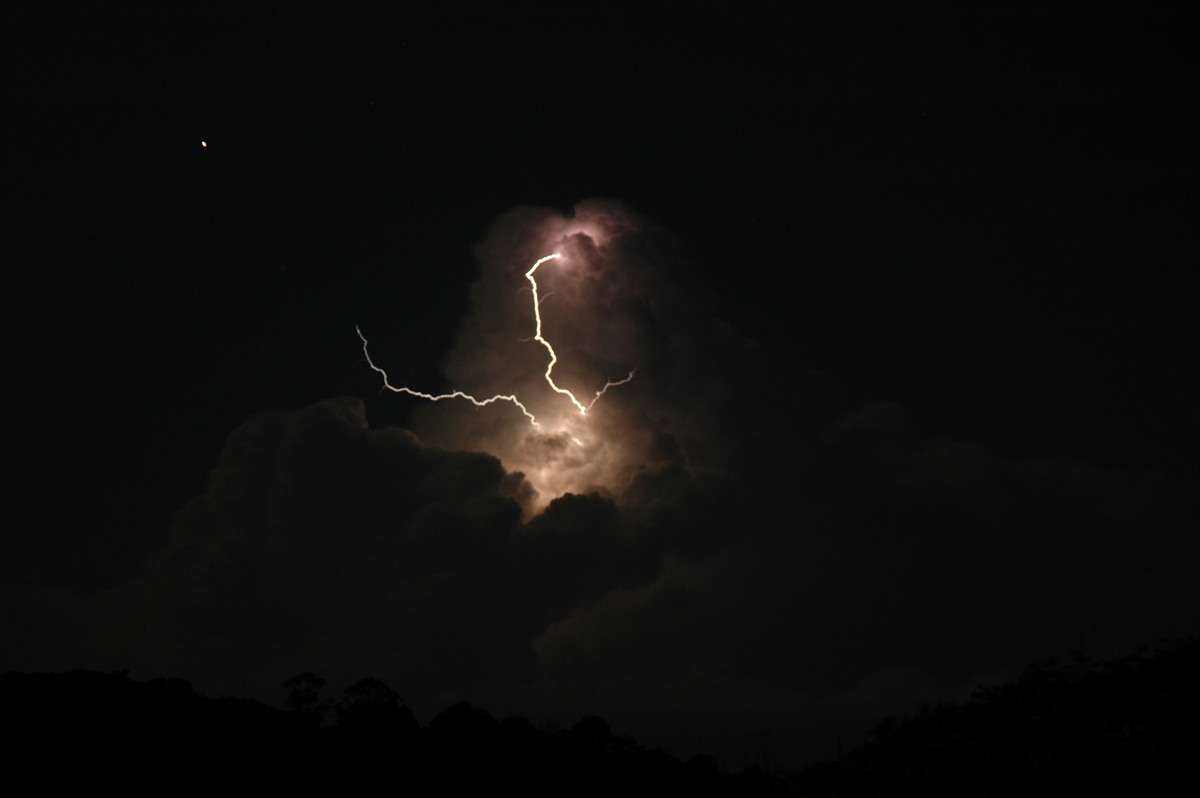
[{"x": 694, "y": 560}]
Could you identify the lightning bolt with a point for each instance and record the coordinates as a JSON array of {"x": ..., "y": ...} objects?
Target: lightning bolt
[
  {"x": 440, "y": 397},
  {"x": 537, "y": 336}
]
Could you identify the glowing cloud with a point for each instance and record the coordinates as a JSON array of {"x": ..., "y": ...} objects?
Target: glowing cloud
[
  {"x": 562, "y": 307},
  {"x": 537, "y": 336},
  {"x": 537, "y": 315}
]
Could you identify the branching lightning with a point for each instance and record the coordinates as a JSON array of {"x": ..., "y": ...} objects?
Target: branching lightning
[
  {"x": 440, "y": 397},
  {"x": 537, "y": 336},
  {"x": 537, "y": 315}
]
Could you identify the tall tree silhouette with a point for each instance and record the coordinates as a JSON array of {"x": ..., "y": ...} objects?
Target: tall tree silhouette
[
  {"x": 371, "y": 704},
  {"x": 304, "y": 697}
]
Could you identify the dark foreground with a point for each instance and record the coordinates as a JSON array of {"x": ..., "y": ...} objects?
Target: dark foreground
[{"x": 1126, "y": 727}]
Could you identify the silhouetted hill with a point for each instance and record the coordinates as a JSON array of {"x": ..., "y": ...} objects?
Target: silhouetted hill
[
  {"x": 1127, "y": 727},
  {"x": 76, "y": 731},
  {"x": 1130, "y": 726},
  {"x": 73, "y": 732}
]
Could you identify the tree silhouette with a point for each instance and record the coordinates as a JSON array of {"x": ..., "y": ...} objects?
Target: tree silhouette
[
  {"x": 370, "y": 704},
  {"x": 1080, "y": 727},
  {"x": 304, "y": 697},
  {"x": 68, "y": 732},
  {"x": 593, "y": 731},
  {"x": 465, "y": 725}
]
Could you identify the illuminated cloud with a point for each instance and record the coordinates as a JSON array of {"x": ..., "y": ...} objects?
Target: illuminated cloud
[
  {"x": 719, "y": 545},
  {"x": 609, "y": 304}
]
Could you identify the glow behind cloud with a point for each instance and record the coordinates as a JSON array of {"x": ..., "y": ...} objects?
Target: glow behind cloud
[
  {"x": 537, "y": 315},
  {"x": 587, "y": 321}
]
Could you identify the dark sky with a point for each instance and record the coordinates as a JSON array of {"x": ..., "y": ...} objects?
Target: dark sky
[{"x": 912, "y": 296}]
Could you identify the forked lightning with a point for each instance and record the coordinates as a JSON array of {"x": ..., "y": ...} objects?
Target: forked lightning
[{"x": 537, "y": 315}]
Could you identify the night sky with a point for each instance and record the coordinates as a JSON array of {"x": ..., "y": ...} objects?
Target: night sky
[{"x": 910, "y": 298}]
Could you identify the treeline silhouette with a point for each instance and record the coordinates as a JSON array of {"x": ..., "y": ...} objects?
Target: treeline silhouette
[
  {"x": 82, "y": 732},
  {"x": 1129, "y": 726}
]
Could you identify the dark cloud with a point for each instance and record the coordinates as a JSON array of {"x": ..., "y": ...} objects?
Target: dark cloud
[
  {"x": 320, "y": 543},
  {"x": 617, "y": 300},
  {"x": 723, "y": 545},
  {"x": 910, "y": 570},
  {"x": 320, "y": 538}
]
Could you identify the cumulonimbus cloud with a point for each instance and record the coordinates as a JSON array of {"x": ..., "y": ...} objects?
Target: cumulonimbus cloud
[{"x": 697, "y": 548}]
